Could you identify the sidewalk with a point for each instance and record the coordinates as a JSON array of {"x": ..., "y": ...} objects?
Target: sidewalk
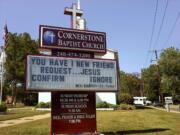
[
  {"x": 12, "y": 122},
  {"x": 163, "y": 109}
]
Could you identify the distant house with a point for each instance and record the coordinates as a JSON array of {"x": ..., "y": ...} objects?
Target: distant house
[{"x": 110, "y": 97}]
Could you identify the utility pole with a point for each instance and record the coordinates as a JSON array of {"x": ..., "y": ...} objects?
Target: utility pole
[
  {"x": 118, "y": 76},
  {"x": 1, "y": 77},
  {"x": 142, "y": 87},
  {"x": 159, "y": 76}
]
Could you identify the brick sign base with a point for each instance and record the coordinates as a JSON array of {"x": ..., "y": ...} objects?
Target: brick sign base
[{"x": 73, "y": 112}]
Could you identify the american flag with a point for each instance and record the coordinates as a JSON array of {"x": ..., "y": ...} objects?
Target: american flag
[{"x": 5, "y": 37}]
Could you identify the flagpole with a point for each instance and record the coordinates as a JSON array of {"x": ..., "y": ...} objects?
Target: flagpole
[
  {"x": 2, "y": 74},
  {"x": 2, "y": 60}
]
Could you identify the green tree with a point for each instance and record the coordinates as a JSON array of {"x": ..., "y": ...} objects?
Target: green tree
[
  {"x": 169, "y": 63},
  {"x": 151, "y": 82},
  {"x": 130, "y": 83},
  {"x": 19, "y": 45},
  {"x": 126, "y": 98}
]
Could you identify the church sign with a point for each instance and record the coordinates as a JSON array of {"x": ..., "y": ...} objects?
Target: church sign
[
  {"x": 48, "y": 73},
  {"x": 72, "y": 39}
]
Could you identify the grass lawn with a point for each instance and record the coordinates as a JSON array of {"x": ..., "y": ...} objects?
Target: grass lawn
[
  {"x": 15, "y": 113},
  {"x": 147, "y": 121}
]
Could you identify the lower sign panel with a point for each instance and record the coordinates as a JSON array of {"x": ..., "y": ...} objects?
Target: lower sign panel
[{"x": 73, "y": 112}]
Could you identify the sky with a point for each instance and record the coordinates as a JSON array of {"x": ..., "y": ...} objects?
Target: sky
[{"x": 128, "y": 24}]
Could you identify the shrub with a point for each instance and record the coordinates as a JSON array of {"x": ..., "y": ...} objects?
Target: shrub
[
  {"x": 126, "y": 98},
  {"x": 105, "y": 105},
  {"x": 3, "y": 107},
  {"x": 102, "y": 105},
  {"x": 18, "y": 105},
  {"x": 126, "y": 107},
  {"x": 176, "y": 99},
  {"x": 30, "y": 99},
  {"x": 43, "y": 105}
]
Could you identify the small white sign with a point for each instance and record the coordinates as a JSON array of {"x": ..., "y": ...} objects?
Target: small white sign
[{"x": 47, "y": 73}]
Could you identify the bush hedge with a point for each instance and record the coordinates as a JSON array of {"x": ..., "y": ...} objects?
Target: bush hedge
[
  {"x": 3, "y": 107},
  {"x": 105, "y": 105},
  {"x": 43, "y": 105},
  {"x": 126, "y": 107},
  {"x": 176, "y": 99}
]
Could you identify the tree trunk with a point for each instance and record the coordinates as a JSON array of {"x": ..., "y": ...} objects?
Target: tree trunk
[{"x": 14, "y": 93}]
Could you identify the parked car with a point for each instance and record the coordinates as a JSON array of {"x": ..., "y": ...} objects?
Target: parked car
[{"x": 148, "y": 102}]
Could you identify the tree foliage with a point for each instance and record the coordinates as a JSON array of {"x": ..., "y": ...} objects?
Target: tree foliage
[
  {"x": 170, "y": 68},
  {"x": 151, "y": 82},
  {"x": 130, "y": 83},
  {"x": 126, "y": 98},
  {"x": 19, "y": 45},
  {"x": 130, "y": 86}
]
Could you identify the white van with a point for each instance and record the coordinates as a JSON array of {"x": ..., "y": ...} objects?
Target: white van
[{"x": 140, "y": 101}]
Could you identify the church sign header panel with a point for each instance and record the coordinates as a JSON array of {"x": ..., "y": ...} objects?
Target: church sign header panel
[
  {"x": 72, "y": 39},
  {"x": 48, "y": 73}
]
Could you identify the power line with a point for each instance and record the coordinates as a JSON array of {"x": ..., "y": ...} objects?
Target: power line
[
  {"x": 152, "y": 33},
  {"x": 172, "y": 30},
  {"x": 161, "y": 26}
]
